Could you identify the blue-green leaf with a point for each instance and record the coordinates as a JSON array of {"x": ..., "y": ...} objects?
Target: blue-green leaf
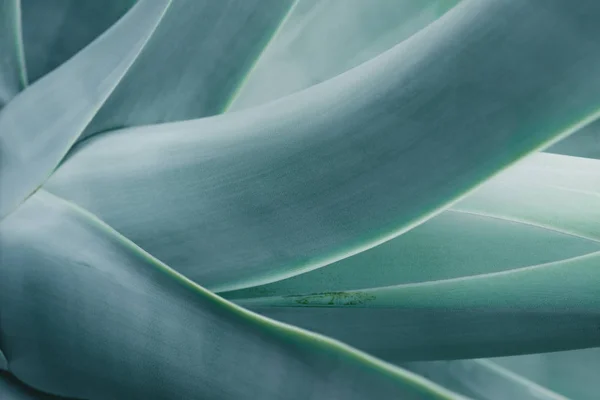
[
  {"x": 584, "y": 143},
  {"x": 194, "y": 62},
  {"x": 267, "y": 193},
  {"x": 12, "y": 389},
  {"x": 12, "y": 67},
  {"x": 544, "y": 209},
  {"x": 55, "y": 30},
  {"x": 38, "y": 127},
  {"x": 483, "y": 380},
  {"x": 571, "y": 373},
  {"x": 85, "y": 313},
  {"x": 541, "y": 308},
  {"x": 324, "y": 38}
]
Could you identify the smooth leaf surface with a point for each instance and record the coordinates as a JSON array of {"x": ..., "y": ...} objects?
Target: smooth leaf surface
[
  {"x": 324, "y": 38},
  {"x": 85, "y": 313},
  {"x": 194, "y": 62},
  {"x": 36, "y": 133},
  {"x": 55, "y": 30},
  {"x": 542, "y": 308},
  {"x": 12, "y": 68},
  {"x": 482, "y": 380},
  {"x": 571, "y": 373},
  {"x": 544, "y": 209},
  {"x": 267, "y": 193},
  {"x": 3, "y": 364},
  {"x": 563, "y": 195},
  {"x": 12, "y": 389},
  {"x": 584, "y": 143}
]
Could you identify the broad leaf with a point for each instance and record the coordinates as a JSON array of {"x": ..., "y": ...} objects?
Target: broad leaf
[
  {"x": 270, "y": 192},
  {"x": 324, "y": 38},
  {"x": 12, "y": 389},
  {"x": 571, "y": 373},
  {"x": 85, "y": 313},
  {"x": 541, "y": 308},
  {"x": 194, "y": 62},
  {"x": 584, "y": 143},
  {"x": 542, "y": 210},
  {"x": 36, "y": 133},
  {"x": 483, "y": 380},
  {"x": 55, "y": 30},
  {"x": 477, "y": 284},
  {"x": 12, "y": 67}
]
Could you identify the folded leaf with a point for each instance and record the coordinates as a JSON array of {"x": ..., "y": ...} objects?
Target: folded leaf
[
  {"x": 483, "y": 380},
  {"x": 85, "y": 313},
  {"x": 12, "y": 389},
  {"x": 39, "y": 126},
  {"x": 194, "y": 62},
  {"x": 324, "y": 38},
  {"x": 12, "y": 67},
  {"x": 55, "y": 30},
  {"x": 571, "y": 373},
  {"x": 290, "y": 186},
  {"x": 544, "y": 209}
]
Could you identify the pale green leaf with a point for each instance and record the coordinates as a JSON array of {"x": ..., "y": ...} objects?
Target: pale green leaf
[
  {"x": 584, "y": 143},
  {"x": 276, "y": 190},
  {"x": 38, "y": 127},
  {"x": 85, "y": 313},
  {"x": 55, "y": 30},
  {"x": 324, "y": 38},
  {"x": 482, "y": 380},
  {"x": 12, "y": 68},
  {"x": 541, "y": 308},
  {"x": 571, "y": 373},
  {"x": 194, "y": 62},
  {"x": 544, "y": 209}
]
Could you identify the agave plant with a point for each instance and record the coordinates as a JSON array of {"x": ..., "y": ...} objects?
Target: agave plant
[{"x": 313, "y": 199}]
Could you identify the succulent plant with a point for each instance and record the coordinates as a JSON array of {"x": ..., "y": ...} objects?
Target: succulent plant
[{"x": 312, "y": 199}]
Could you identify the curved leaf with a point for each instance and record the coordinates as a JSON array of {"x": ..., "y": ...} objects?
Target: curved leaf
[
  {"x": 544, "y": 209},
  {"x": 290, "y": 186},
  {"x": 534, "y": 309},
  {"x": 571, "y": 373},
  {"x": 324, "y": 38},
  {"x": 12, "y": 389},
  {"x": 194, "y": 62},
  {"x": 482, "y": 379},
  {"x": 12, "y": 68},
  {"x": 36, "y": 133},
  {"x": 55, "y": 30},
  {"x": 3, "y": 364},
  {"x": 584, "y": 143},
  {"x": 85, "y": 313}
]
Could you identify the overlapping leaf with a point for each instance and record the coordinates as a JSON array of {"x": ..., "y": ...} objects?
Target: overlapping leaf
[
  {"x": 55, "y": 30},
  {"x": 324, "y": 38},
  {"x": 94, "y": 317},
  {"x": 12, "y": 67},
  {"x": 483, "y": 380},
  {"x": 64, "y": 102},
  {"x": 293, "y": 185},
  {"x": 467, "y": 282}
]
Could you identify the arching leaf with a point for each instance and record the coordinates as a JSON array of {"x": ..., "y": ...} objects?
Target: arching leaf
[
  {"x": 85, "y": 313},
  {"x": 290, "y": 186}
]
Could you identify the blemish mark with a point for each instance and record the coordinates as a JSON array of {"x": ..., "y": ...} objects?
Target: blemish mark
[{"x": 334, "y": 299}]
